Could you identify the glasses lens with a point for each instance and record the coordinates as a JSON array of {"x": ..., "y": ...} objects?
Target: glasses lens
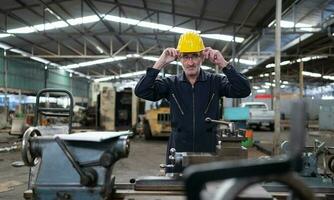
[{"x": 193, "y": 56}]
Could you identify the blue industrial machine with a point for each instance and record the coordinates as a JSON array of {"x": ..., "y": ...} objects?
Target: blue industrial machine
[
  {"x": 80, "y": 166},
  {"x": 75, "y": 166}
]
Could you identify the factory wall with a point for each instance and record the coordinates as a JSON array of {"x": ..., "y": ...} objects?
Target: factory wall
[{"x": 30, "y": 76}]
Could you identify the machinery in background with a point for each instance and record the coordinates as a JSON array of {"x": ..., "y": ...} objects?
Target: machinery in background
[
  {"x": 156, "y": 122},
  {"x": 106, "y": 108},
  {"x": 259, "y": 115},
  {"x": 117, "y": 110},
  {"x": 318, "y": 163}
]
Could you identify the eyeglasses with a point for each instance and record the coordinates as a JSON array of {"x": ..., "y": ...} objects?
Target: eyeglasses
[{"x": 193, "y": 56}]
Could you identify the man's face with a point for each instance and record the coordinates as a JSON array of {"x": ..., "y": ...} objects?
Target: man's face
[{"x": 191, "y": 63}]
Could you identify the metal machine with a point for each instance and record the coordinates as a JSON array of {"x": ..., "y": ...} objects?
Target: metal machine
[
  {"x": 79, "y": 166},
  {"x": 72, "y": 166}
]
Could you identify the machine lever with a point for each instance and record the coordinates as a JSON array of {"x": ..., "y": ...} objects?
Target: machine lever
[
  {"x": 87, "y": 177},
  {"x": 230, "y": 125}
]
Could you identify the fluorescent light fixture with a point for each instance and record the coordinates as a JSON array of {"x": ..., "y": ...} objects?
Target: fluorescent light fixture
[
  {"x": 260, "y": 91},
  {"x": 267, "y": 83},
  {"x": 26, "y": 29},
  {"x": 261, "y": 75},
  {"x": 305, "y": 73},
  {"x": 244, "y": 61},
  {"x": 182, "y": 30},
  {"x": 83, "y": 20},
  {"x": 283, "y": 86},
  {"x": 244, "y": 71},
  {"x": 266, "y": 74},
  {"x": 271, "y": 65},
  {"x": 127, "y": 75},
  {"x": 42, "y": 60},
  {"x": 151, "y": 58},
  {"x": 250, "y": 77},
  {"x": 4, "y": 46},
  {"x": 99, "y": 49},
  {"x": 285, "y": 82},
  {"x": 50, "y": 26},
  {"x": 52, "y": 13},
  {"x": 287, "y": 62},
  {"x": 3, "y": 35},
  {"x": 223, "y": 37},
  {"x": 272, "y": 73},
  {"x": 94, "y": 62},
  {"x": 132, "y": 74},
  {"x": 290, "y": 24},
  {"x": 256, "y": 87},
  {"x": 327, "y": 97},
  {"x": 123, "y": 20},
  {"x": 328, "y": 77},
  {"x": 305, "y": 59},
  {"x": 265, "y": 86},
  {"x": 154, "y": 26},
  {"x": 135, "y": 55},
  {"x": 18, "y": 51}
]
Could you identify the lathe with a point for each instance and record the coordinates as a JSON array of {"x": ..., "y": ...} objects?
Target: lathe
[{"x": 79, "y": 166}]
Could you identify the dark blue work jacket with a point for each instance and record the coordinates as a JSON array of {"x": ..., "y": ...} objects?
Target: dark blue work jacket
[{"x": 190, "y": 105}]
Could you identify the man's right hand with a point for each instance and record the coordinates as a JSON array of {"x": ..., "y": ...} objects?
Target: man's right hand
[{"x": 167, "y": 56}]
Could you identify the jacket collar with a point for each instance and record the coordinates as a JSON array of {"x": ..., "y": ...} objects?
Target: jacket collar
[{"x": 201, "y": 77}]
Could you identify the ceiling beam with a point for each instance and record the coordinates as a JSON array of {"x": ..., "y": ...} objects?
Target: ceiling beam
[
  {"x": 106, "y": 24},
  {"x": 178, "y": 14}
]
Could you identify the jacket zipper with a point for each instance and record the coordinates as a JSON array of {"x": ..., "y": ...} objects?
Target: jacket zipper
[
  {"x": 207, "y": 108},
  {"x": 193, "y": 120},
  {"x": 178, "y": 105}
]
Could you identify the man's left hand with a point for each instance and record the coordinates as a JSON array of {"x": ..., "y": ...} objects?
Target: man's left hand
[{"x": 215, "y": 57}]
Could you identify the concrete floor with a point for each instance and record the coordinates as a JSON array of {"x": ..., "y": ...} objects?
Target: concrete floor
[{"x": 144, "y": 159}]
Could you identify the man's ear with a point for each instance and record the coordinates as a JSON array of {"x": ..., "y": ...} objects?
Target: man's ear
[{"x": 202, "y": 57}]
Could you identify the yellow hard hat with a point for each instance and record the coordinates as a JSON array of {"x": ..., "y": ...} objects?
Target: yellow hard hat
[{"x": 190, "y": 42}]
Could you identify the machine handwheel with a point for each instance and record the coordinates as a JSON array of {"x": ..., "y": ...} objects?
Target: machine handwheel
[
  {"x": 27, "y": 157},
  {"x": 231, "y": 188}
]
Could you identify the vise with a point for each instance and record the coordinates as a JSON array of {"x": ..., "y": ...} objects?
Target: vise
[{"x": 72, "y": 166}]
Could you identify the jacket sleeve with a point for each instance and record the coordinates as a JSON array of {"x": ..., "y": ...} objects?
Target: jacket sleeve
[
  {"x": 151, "y": 88},
  {"x": 234, "y": 85}
]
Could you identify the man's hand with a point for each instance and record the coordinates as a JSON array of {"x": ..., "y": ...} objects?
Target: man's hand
[
  {"x": 167, "y": 56},
  {"x": 215, "y": 57}
]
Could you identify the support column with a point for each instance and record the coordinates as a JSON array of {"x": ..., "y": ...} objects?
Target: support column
[
  {"x": 5, "y": 82},
  {"x": 277, "y": 136},
  {"x": 301, "y": 80}
]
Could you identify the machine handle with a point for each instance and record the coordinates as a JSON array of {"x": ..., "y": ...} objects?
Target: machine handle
[
  {"x": 58, "y": 112},
  {"x": 209, "y": 120},
  {"x": 88, "y": 177}
]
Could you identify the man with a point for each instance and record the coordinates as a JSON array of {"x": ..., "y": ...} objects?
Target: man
[{"x": 193, "y": 95}]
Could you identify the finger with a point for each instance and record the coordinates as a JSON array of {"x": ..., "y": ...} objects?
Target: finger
[{"x": 178, "y": 54}]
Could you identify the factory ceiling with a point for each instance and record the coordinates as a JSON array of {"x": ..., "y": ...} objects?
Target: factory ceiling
[{"x": 113, "y": 39}]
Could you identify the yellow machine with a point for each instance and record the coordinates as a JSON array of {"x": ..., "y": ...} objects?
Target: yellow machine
[{"x": 156, "y": 122}]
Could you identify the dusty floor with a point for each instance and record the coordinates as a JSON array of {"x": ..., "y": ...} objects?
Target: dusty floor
[{"x": 144, "y": 159}]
